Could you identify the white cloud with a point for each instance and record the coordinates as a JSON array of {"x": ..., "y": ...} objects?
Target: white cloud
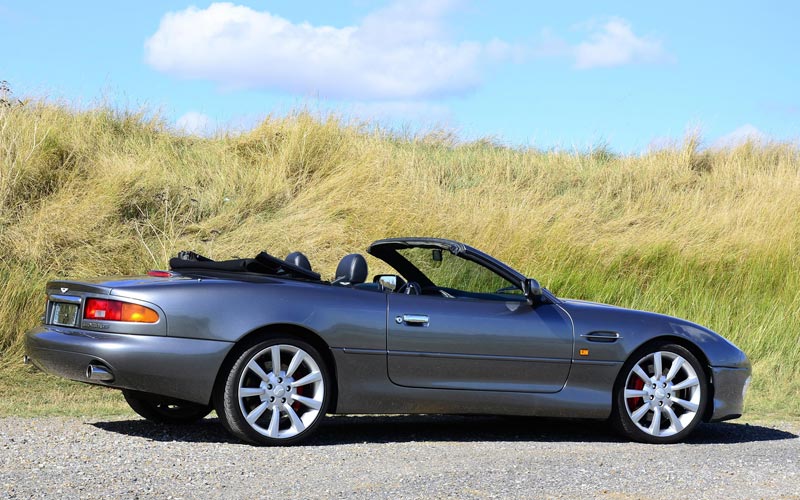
[
  {"x": 615, "y": 44},
  {"x": 194, "y": 123},
  {"x": 741, "y": 135},
  {"x": 397, "y": 55},
  {"x": 399, "y": 52}
]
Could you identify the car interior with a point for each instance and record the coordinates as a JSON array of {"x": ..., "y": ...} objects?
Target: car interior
[
  {"x": 421, "y": 270},
  {"x": 461, "y": 279}
]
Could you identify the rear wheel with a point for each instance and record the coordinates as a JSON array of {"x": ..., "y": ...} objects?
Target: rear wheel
[
  {"x": 275, "y": 393},
  {"x": 165, "y": 410},
  {"x": 661, "y": 394}
]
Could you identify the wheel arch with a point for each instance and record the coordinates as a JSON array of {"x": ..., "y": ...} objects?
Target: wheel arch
[
  {"x": 264, "y": 332},
  {"x": 691, "y": 347}
]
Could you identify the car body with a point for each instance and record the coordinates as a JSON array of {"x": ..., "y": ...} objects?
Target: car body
[{"x": 430, "y": 339}]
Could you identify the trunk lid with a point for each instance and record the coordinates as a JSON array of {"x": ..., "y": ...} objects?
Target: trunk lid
[{"x": 104, "y": 285}]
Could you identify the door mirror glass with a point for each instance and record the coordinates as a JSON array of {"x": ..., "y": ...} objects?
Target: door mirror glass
[{"x": 386, "y": 281}]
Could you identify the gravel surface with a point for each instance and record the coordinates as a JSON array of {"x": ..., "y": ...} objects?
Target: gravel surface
[{"x": 393, "y": 457}]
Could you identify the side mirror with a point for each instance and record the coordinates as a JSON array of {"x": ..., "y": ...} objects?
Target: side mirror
[
  {"x": 532, "y": 290},
  {"x": 386, "y": 281}
]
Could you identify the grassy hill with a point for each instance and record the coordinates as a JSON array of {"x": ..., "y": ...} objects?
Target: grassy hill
[{"x": 712, "y": 236}]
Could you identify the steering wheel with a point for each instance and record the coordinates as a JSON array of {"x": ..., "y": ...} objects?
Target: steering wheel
[
  {"x": 507, "y": 289},
  {"x": 410, "y": 288}
]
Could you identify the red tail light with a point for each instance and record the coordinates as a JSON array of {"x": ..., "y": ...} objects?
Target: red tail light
[{"x": 115, "y": 310}]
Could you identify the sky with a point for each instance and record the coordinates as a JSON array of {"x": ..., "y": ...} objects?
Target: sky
[{"x": 629, "y": 76}]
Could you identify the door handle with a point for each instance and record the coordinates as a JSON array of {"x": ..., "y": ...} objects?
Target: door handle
[{"x": 413, "y": 319}]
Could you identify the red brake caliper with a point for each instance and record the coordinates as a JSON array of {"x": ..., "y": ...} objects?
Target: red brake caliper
[
  {"x": 300, "y": 390},
  {"x": 638, "y": 385}
]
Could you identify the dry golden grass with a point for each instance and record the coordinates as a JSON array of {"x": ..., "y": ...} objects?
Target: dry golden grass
[{"x": 709, "y": 235}]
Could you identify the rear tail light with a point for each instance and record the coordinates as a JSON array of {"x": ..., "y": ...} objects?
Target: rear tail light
[{"x": 115, "y": 310}]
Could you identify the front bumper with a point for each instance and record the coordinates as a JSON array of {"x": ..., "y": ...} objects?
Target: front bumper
[
  {"x": 729, "y": 390},
  {"x": 176, "y": 367}
]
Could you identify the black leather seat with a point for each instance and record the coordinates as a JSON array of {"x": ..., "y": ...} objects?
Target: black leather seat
[
  {"x": 299, "y": 260},
  {"x": 352, "y": 270}
]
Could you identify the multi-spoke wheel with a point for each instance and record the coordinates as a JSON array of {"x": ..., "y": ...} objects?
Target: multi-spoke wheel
[
  {"x": 661, "y": 394},
  {"x": 165, "y": 410},
  {"x": 275, "y": 393}
]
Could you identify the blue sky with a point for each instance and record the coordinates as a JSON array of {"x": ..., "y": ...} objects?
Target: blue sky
[{"x": 544, "y": 74}]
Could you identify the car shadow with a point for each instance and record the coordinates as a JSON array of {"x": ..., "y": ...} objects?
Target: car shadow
[{"x": 340, "y": 429}]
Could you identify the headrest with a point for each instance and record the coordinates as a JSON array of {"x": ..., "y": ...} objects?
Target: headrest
[
  {"x": 299, "y": 260},
  {"x": 352, "y": 269}
]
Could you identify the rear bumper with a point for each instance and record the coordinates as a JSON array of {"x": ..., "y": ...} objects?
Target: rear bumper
[
  {"x": 729, "y": 390},
  {"x": 175, "y": 367}
]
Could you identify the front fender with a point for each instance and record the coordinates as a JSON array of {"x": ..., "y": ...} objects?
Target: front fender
[{"x": 636, "y": 328}]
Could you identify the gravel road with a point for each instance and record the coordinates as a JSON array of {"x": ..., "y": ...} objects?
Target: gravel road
[{"x": 393, "y": 457}]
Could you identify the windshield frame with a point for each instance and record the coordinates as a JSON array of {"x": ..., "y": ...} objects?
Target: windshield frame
[{"x": 386, "y": 250}]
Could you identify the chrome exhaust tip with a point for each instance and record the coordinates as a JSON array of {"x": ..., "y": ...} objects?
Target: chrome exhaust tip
[{"x": 99, "y": 372}]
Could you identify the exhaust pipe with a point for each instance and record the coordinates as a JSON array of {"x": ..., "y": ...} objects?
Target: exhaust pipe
[{"x": 99, "y": 372}]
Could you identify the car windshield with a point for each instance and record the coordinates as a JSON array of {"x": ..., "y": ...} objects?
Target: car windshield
[{"x": 451, "y": 272}]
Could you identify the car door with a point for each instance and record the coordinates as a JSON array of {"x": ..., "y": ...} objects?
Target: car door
[{"x": 472, "y": 343}]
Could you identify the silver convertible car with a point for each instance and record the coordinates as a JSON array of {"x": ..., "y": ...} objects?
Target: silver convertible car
[{"x": 273, "y": 348}]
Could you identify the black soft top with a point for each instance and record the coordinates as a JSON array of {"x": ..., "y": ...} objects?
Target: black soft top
[{"x": 263, "y": 263}]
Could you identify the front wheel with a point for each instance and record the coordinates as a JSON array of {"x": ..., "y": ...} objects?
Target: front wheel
[
  {"x": 165, "y": 410},
  {"x": 661, "y": 394},
  {"x": 275, "y": 393}
]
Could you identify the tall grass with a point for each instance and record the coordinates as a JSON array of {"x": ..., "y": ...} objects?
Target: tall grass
[{"x": 710, "y": 235}]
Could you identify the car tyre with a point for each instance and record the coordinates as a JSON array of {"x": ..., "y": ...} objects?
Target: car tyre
[
  {"x": 660, "y": 394},
  {"x": 165, "y": 410},
  {"x": 275, "y": 393}
]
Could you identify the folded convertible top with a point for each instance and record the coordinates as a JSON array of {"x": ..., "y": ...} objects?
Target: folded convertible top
[{"x": 263, "y": 263}]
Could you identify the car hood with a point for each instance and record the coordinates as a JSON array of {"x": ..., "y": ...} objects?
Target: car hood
[
  {"x": 589, "y": 302},
  {"x": 622, "y": 316},
  {"x": 587, "y": 306}
]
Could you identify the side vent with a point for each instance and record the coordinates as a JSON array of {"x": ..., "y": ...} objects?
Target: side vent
[{"x": 603, "y": 337}]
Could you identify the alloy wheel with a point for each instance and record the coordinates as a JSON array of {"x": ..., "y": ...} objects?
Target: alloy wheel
[
  {"x": 663, "y": 394},
  {"x": 281, "y": 391}
]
